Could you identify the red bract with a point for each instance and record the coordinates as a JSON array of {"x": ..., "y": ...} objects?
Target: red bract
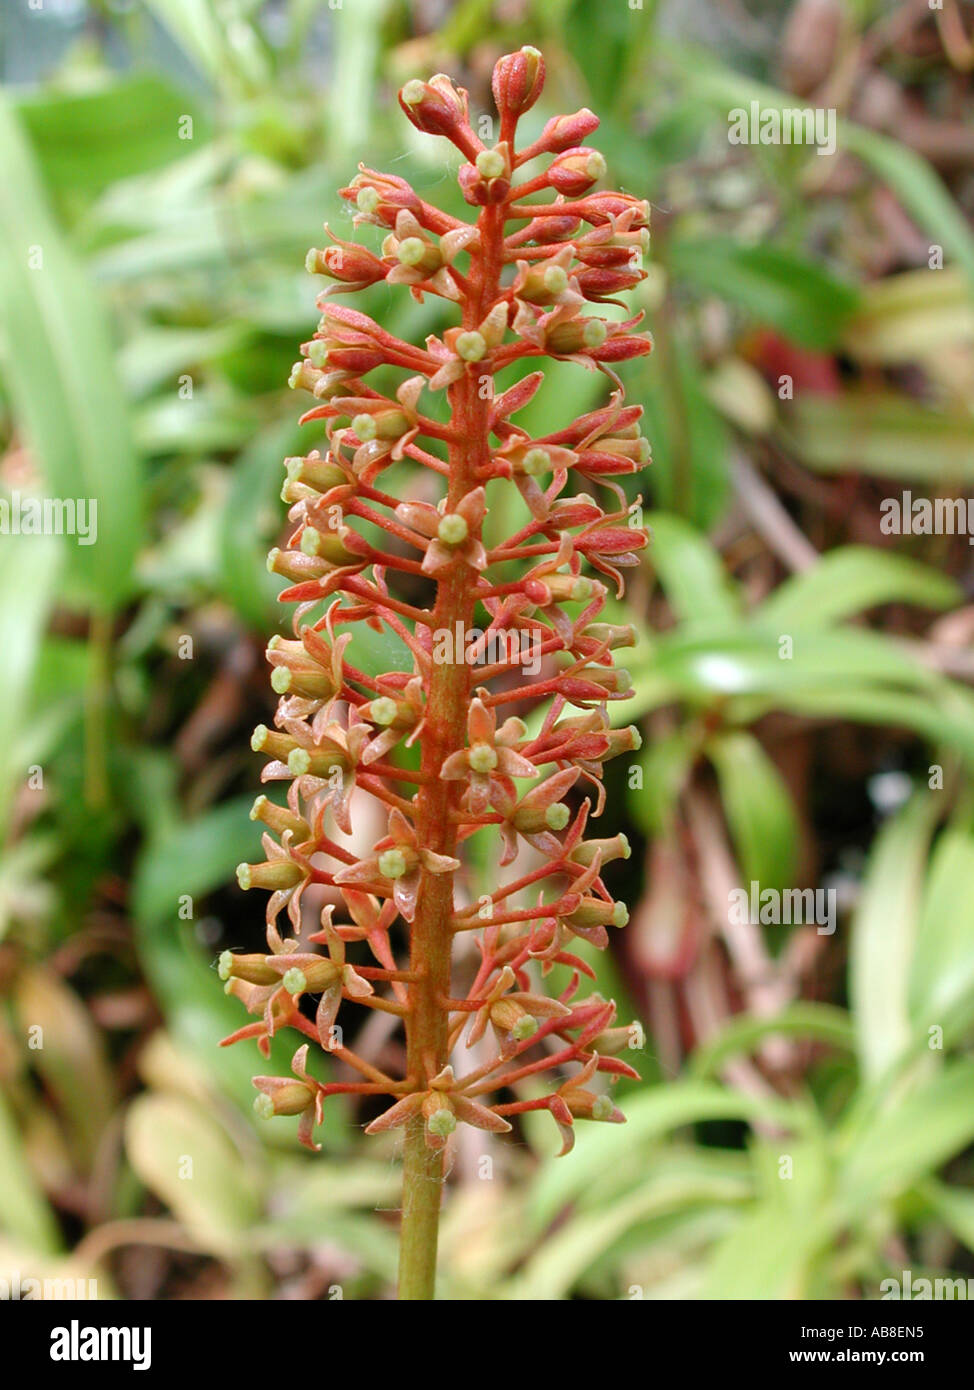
[{"x": 494, "y": 629}]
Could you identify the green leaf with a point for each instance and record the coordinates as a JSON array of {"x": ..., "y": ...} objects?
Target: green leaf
[
  {"x": 769, "y": 1255},
  {"x": 919, "y": 188},
  {"x": 567, "y": 1254},
  {"x": 29, "y": 569},
  {"x": 942, "y": 971},
  {"x": 648, "y": 1116},
  {"x": 704, "y": 663},
  {"x": 745, "y": 1034},
  {"x": 665, "y": 764},
  {"x": 911, "y": 317},
  {"x": 954, "y": 1207},
  {"x": 691, "y": 572},
  {"x": 89, "y": 139},
  {"x": 71, "y": 1060},
  {"x": 758, "y": 807},
  {"x": 850, "y": 580},
  {"x": 883, "y": 434},
  {"x": 231, "y": 55},
  {"x": 252, "y": 513},
  {"x": 24, "y": 1212},
  {"x": 689, "y": 473},
  {"x": 944, "y": 715},
  {"x": 57, "y": 363},
  {"x": 186, "y": 1158},
  {"x": 775, "y": 286},
  {"x": 884, "y": 935},
  {"x": 911, "y": 1138}
]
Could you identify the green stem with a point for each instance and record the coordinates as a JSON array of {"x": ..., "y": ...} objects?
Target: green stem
[{"x": 445, "y": 731}]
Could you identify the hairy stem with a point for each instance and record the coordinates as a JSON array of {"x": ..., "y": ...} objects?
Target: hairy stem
[{"x": 427, "y": 1023}]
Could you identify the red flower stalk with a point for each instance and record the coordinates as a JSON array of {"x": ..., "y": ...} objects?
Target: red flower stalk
[{"x": 519, "y": 276}]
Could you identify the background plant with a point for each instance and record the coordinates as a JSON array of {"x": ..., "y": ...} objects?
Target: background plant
[{"x": 169, "y": 259}]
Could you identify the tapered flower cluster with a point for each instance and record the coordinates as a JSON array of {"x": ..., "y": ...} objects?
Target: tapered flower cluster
[{"x": 498, "y": 747}]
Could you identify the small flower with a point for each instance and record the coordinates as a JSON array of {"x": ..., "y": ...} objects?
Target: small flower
[
  {"x": 444, "y": 1098},
  {"x": 514, "y": 1015},
  {"x": 572, "y": 1101},
  {"x": 395, "y": 715},
  {"x": 303, "y": 972},
  {"x": 536, "y": 817},
  {"x": 279, "y": 1095},
  {"x": 452, "y": 535},
  {"x": 490, "y": 760},
  {"x": 394, "y": 871}
]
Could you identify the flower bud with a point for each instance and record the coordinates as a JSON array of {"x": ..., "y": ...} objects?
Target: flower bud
[
  {"x": 386, "y": 712},
  {"x": 534, "y": 463},
  {"x": 382, "y": 711},
  {"x": 595, "y": 912},
  {"x": 279, "y": 819},
  {"x": 577, "y": 335},
  {"x": 548, "y": 230},
  {"x": 440, "y": 1119},
  {"x": 508, "y": 1014},
  {"x": 309, "y": 681},
  {"x": 437, "y": 108},
  {"x": 276, "y": 875},
  {"x": 574, "y": 172},
  {"x": 316, "y": 472},
  {"x": 271, "y": 742},
  {"x": 627, "y": 740},
  {"x": 517, "y": 82},
  {"x": 615, "y": 634},
  {"x": 493, "y": 164},
  {"x": 562, "y": 132},
  {"x": 381, "y": 197},
  {"x": 532, "y": 820},
  {"x": 631, "y": 1038},
  {"x": 596, "y": 284},
  {"x": 618, "y": 847},
  {"x": 320, "y": 761},
  {"x": 347, "y": 262},
  {"x": 600, "y": 207},
  {"x": 297, "y": 566},
  {"x": 380, "y": 424},
  {"x": 569, "y": 588},
  {"x": 287, "y": 1098},
  {"x": 252, "y": 968},
  {"x": 543, "y": 284},
  {"x": 326, "y": 545},
  {"x": 311, "y": 977}
]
